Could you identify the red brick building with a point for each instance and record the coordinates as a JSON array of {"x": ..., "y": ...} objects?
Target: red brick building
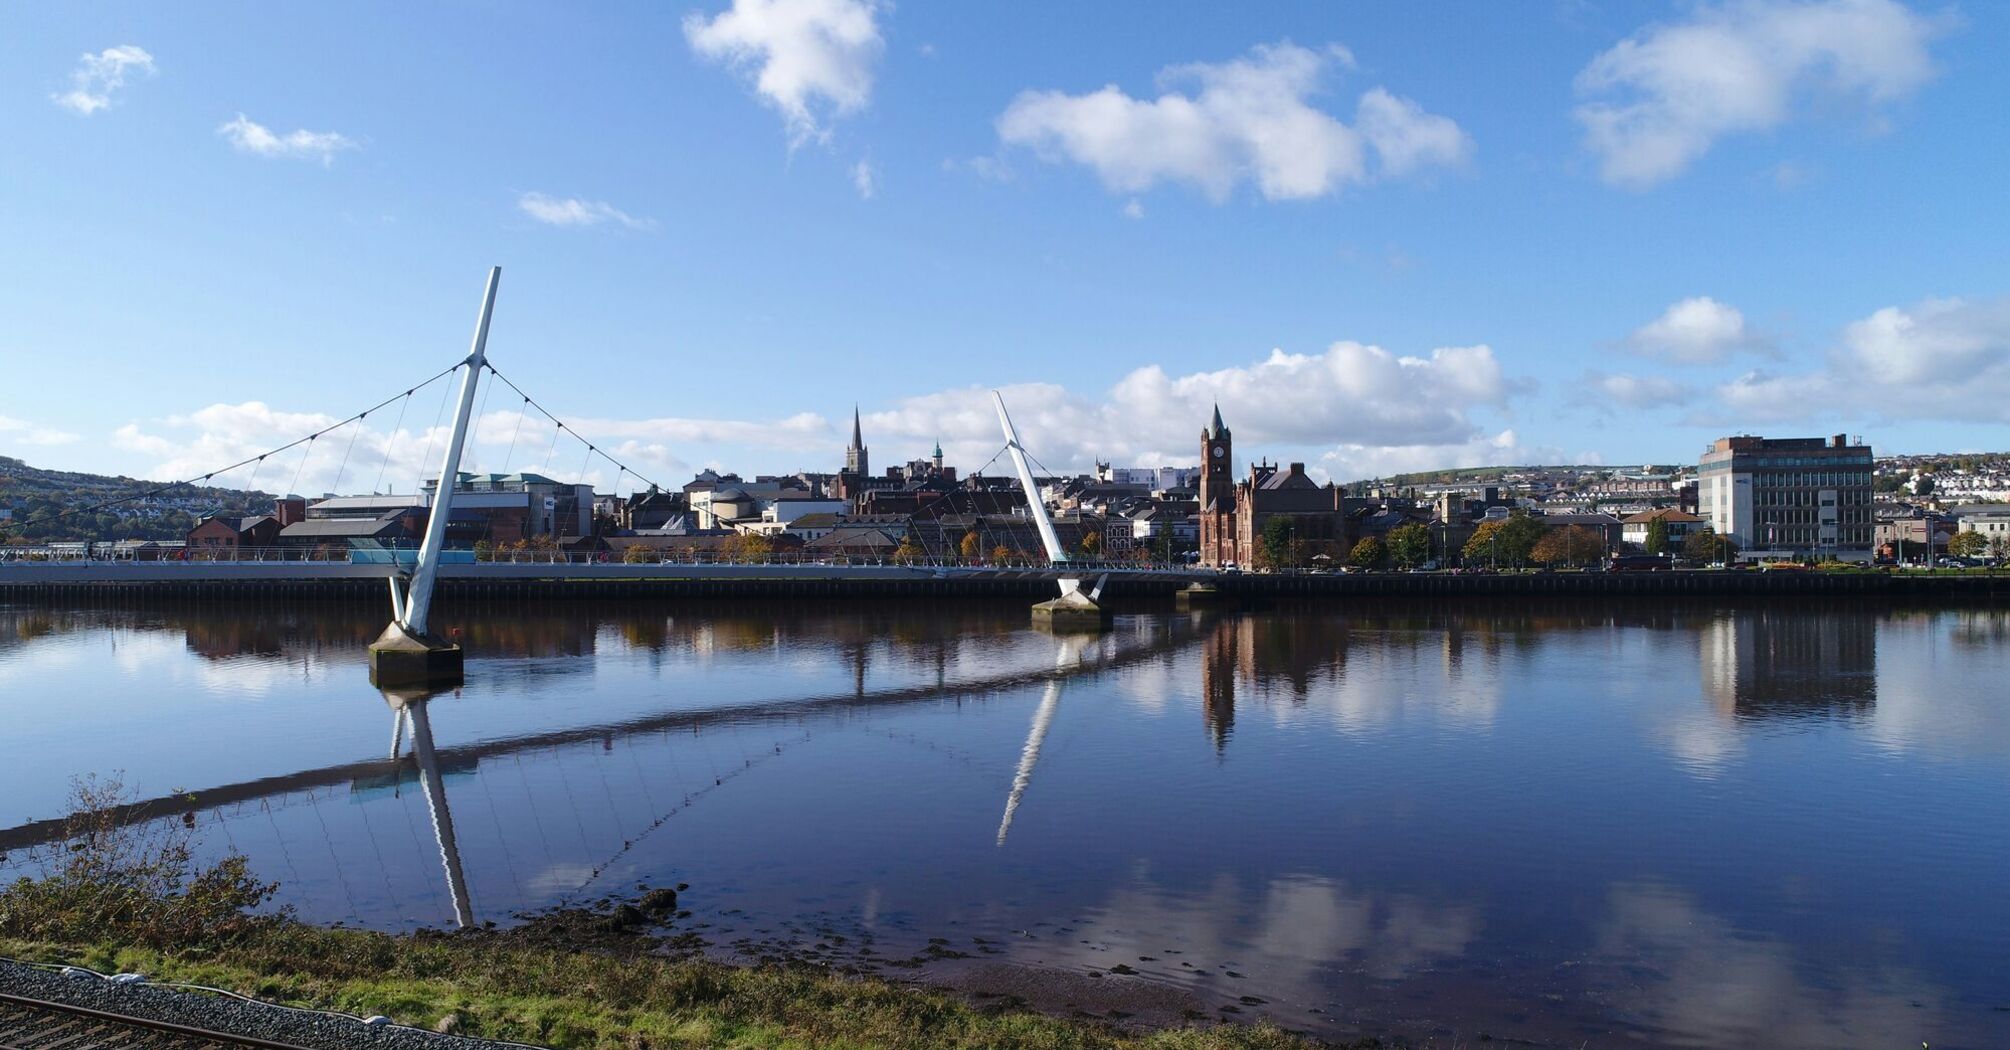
[{"x": 1233, "y": 514}]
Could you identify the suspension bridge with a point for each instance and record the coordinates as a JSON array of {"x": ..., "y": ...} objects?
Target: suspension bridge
[{"x": 409, "y": 649}]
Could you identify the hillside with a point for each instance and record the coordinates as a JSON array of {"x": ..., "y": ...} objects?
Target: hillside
[{"x": 55, "y": 505}]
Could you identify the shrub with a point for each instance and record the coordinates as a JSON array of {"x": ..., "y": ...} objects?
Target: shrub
[{"x": 115, "y": 878}]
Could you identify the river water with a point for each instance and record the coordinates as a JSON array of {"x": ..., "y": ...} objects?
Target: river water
[{"x": 1662, "y": 824}]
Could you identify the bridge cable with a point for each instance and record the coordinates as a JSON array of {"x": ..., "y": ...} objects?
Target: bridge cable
[
  {"x": 396, "y": 429},
  {"x": 472, "y": 447},
  {"x": 346, "y": 453},
  {"x": 512, "y": 439},
  {"x": 432, "y": 435},
  {"x": 258, "y": 459},
  {"x": 591, "y": 448},
  {"x": 305, "y": 454}
]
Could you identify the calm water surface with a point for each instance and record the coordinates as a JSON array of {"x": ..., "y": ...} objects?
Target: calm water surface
[{"x": 1669, "y": 825}]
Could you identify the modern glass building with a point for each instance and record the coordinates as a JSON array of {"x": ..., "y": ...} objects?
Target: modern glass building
[{"x": 1789, "y": 497}]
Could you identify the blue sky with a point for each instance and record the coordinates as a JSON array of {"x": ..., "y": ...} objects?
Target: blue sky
[{"x": 1382, "y": 238}]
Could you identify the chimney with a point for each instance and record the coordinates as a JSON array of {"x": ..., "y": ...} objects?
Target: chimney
[
  {"x": 1840, "y": 440},
  {"x": 288, "y": 510}
]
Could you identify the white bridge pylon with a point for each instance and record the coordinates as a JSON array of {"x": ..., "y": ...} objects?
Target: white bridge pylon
[{"x": 1056, "y": 554}]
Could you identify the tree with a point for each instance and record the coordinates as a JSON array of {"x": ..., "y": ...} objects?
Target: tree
[
  {"x": 1999, "y": 547},
  {"x": 1278, "y": 543},
  {"x": 637, "y": 554},
  {"x": 1000, "y": 555},
  {"x": 971, "y": 546},
  {"x": 1409, "y": 545},
  {"x": 908, "y": 552},
  {"x": 1704, "y": 545},
  {"x": 1092, "y": 544},
  {"x": 1657, "y": 535},
  {"x": 1967, "y": 545},
  {"x": 1518, "y": 536},
  {"x": 1483, "y": 546},
  {"x": 749, "y": 545},
  {"x": 1368, "y": 554},
  {"x": 1575, "y": 545}
]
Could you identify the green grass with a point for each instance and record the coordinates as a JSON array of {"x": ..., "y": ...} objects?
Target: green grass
[{"x": 505, "y": 985}]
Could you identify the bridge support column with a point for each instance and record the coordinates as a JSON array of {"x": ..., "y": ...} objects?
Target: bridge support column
[
  {"x": 407, "y": 653},
  {"x": 1073, "y": 610}
]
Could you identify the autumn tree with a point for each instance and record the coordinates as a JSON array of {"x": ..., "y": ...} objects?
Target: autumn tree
[
  {"x": 749, "y": 545},
  {"x": 971, "y": 547},
  {"x": 1409, "y": 545},
  {"x": 1575, "y": 545},
  {"x": 638, "y": 554},
  {"x": 1484, "y": 544},
  {"x": 908, "y": 552},
  {"x": 1368, "y": 554},
  {"x": 1092, "y": 544},
  {"x": 1967, "y": 545}
]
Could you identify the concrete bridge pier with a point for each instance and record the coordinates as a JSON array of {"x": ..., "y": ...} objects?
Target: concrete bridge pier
[
  {"x": 1197, "y": 595},
  {"x": 1073, "y": 610},
  {"x": 399, "y": 658}
]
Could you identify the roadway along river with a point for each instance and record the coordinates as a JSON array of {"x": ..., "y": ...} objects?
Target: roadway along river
[{"x": 1657, "y": 824}]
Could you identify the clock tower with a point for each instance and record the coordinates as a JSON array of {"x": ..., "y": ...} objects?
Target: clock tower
[{"x": 1217, "y": 467}]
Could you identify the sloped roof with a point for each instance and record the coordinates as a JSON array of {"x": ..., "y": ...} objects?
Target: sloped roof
[{"x": 1665, "y": 513}]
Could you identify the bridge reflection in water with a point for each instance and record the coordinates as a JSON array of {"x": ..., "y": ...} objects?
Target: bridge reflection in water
[{"x": 1363, "y": 811}]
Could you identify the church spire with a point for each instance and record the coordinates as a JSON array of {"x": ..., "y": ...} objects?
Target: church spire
[
  {"x": 854, "y": 455},
  {"x": 1217, "y": 431}
]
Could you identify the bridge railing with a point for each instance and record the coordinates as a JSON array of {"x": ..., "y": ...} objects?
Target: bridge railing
[{"x": 333, "y": 555}]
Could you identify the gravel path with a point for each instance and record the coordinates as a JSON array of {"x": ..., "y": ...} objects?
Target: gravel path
[{"x": 215, "y": 1012}]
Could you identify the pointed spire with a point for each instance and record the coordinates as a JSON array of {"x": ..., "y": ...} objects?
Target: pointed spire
[
  {"x": 858, "y": 438},
  {"x": 1217, "y": 430}
]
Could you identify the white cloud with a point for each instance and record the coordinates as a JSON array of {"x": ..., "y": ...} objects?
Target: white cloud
[
  {"x": 1133, "y": 209},
  {"x": 1942, "y": 359},
  {"x": 1698, "y": 330},
  {"x": 1939, "y": 341},
  {"x": 1620, "y": 390},
  {"x": 1363, "y": 401},
  {"x": 1406, "y": 137},
  {"x": 20, "y": 430},
  {"x": 98, "y": 77},
  {"x": 249, "y": 136},
  {"x": 1353, "y": 409},
  {"x": 1250, "y": 119},
  {"x": 572, "y": 211},
  {"x": 864, "y": 180},
  {"x": 1661, "y": 98},
  {"x": 812, "y": 60}
]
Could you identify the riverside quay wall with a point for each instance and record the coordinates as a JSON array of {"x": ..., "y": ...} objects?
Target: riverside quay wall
[{"x": 92, "y": 581}]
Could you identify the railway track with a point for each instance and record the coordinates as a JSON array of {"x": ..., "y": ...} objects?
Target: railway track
[{"x": 36, "y": 1024}]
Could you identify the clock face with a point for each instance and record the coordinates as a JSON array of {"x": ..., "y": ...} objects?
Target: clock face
[{"x": 1219, "y": 451}]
